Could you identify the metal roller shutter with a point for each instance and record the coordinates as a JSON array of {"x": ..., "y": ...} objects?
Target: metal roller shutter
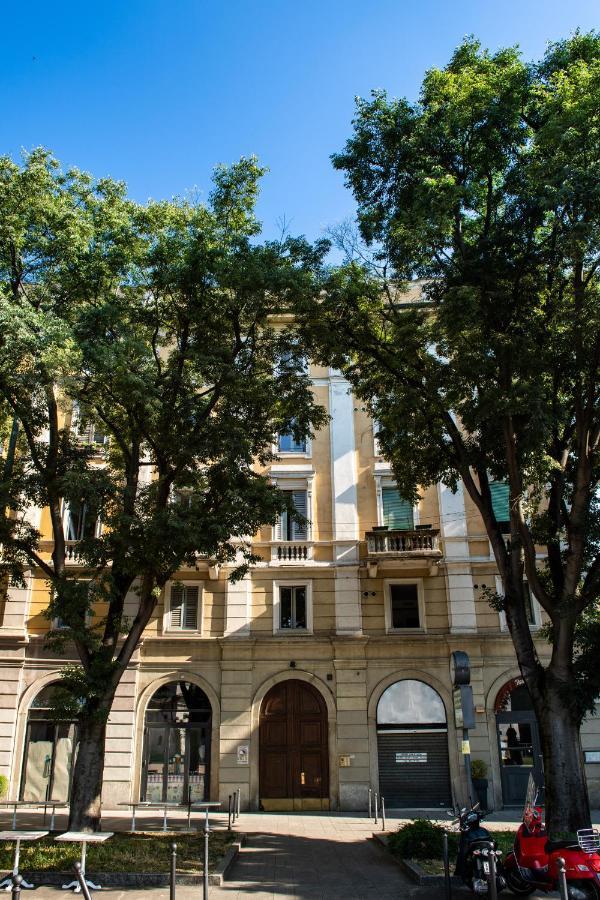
[{"x": 413, "y": 769}]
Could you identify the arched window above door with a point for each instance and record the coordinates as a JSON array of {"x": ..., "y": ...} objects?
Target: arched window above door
[{"x": 410, "y": 702}]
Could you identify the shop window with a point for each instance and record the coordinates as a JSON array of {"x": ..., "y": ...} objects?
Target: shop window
[
  {"x": 49, "y": 751},
  {"x": 404, "y": 606},
  {"x": 292, "y": 607}
]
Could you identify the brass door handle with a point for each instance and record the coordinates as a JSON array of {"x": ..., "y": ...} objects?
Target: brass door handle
[{"x": 302, "y": 778}]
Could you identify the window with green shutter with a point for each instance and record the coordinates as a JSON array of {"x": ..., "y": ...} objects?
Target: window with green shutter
[
  {"x": 500, "y": 500},
  {"x": 397, "y": 512},
  {"x": 184, "y": 607}
]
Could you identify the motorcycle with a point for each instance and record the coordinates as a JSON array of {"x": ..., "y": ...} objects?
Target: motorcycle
[
  {"x": 532, "y": 863},
  {"x": 475, "y": 847}
]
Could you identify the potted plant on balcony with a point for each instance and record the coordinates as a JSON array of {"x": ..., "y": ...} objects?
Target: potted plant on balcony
[{"x": 479, "y": 771}]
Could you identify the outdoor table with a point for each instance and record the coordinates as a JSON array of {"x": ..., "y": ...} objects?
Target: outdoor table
[
  {"x": 206, "y": 805},
  {"x": 83, "y": 838},
  {"x": 35, "y": 804},
  {"x": 166, "y": 806},
  {"x": 17, "y": 837}
]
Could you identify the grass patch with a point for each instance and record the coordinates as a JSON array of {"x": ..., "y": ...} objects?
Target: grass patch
[
  {"x": 140, "y": 852},
  {"x": 505, "y": 840}
]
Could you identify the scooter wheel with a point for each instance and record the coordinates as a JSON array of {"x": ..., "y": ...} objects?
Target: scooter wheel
[
  {"x": 586, "y": 889},
  {"x": 518, "y": 885}
]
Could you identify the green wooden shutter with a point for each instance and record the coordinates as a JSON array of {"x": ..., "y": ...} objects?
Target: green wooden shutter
[
  {"x": 500, "y": 498},
  {"x": 397, "y": 512}
]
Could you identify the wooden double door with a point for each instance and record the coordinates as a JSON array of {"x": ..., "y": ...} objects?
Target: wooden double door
[{"x": 294, "y": 765}]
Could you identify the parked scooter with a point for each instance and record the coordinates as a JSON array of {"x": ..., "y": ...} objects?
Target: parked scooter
[
  {"x": 532, "y": 864},
  {"x": 475, "y": 847}
]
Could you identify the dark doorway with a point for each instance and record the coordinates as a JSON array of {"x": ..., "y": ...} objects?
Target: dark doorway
[
  {"x": 176, "y": 762},
  {"x": 518, "y": 741},
  {"x": 412, "y": 745},
  {"x": 294, "y": 765}
]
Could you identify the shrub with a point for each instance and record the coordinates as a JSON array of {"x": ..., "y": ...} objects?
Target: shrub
[
  {"x": 3, "y": 786},
  {"x": 421, "y": 839},
  {"x": 479, "y": 768}
]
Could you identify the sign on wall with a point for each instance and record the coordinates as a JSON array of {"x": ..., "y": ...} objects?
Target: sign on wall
[
  {"x": 411, "y": 757},
  {"x": 243, "y": 754}
]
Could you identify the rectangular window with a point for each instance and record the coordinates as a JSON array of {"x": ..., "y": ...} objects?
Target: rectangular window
[
  {"x": 287, "y": 443},
  {"x": 183, "y": 612},
  {"x": 398, "y": 513},
  {"x": 404, "y": 601},
  {"x": 529, "y": 607},
  {"x": 288, "y": 528},
  {"x": 292, "y": 607},
  {"x": 500, "y": 500},
  {"x": 79, "y": 524}
]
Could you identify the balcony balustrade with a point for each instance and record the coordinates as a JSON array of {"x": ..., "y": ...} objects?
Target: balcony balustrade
[
  {"x": 397, "y": 543},
  {"x": 291, "y": 553}
]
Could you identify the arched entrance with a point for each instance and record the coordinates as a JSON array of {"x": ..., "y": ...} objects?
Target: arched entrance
[
  {"x": 412, "y": 746},
  {"x": 177, "y": 732},
  {"x": 518, "y": 740},
  {"x": 294, "y": 769},
  {"x": 49, "y": 749}
]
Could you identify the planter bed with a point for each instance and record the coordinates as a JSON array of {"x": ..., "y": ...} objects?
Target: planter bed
[{"x": 139, "y": 859}]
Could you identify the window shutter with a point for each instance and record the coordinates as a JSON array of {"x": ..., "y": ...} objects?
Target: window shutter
[
  {"x": 191, "y": 608},
  {"x": 300, "y": 529},
  {"x": 397, "y": 512},
  {"x": 500, "y": 500},
  {"x": 177, "y": 597}
]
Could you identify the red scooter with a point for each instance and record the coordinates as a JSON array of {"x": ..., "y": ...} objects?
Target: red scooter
[{"x": 532, "y": 863}]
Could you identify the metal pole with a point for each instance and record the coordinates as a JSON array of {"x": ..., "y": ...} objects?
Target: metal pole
[
  {"x": 383, "y": 813},
  {"x": 80, "y": 874},
  {"x": 376, "y": 808},
  {"x": 229, "y": 815},
  {"x": 492, "y": 886},
  {"x": 370, "y": 797},
  {"x": 239, "y": 802},
  {"x": 562, "y": 879},
  {"x": 467, "y": 759},
  {"x": 189, "y": 806},
  {"x": 206, "y": 832},
  {"x": 173, "y": 871},
  {"x": 447, "y": 883},
  {"x": 16, "y": 886}
]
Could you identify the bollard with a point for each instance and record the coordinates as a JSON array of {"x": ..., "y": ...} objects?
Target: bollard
[
  {"x": 85, "y": 891},
  {"x": 447, "y": 883},
  {"x": 205, "y": 879},
  {"x": 229, "y": 815},
  {"x": 383, "y": 813},
  {"x": 173, "y": 871},
  {"x": 492, "y": 885},
  {"x": 16, "y": 886},
  {"x": 376, "y": 820},
  {"x": 239, "y": 801},
  {"x": 370, "y": 794},
  {"x": 562, "y": 879}
]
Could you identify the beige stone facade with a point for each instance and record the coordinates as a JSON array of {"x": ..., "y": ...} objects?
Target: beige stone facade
[{"x": 346, "y": 645}]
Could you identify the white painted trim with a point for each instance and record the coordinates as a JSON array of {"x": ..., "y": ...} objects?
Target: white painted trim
[
  {"x": 344, "y": 472},
  {"x": 167, "y": 627},
  {"x": 292, "y": 582},
  {"x": 388, "y": 582}
]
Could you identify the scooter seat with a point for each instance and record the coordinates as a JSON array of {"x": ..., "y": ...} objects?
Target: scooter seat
[{"x": 551, "y": 846}]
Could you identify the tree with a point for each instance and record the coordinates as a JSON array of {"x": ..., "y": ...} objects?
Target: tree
[
  {"x": 140, "y": 335},
  {"x": 487, "y": 192}
]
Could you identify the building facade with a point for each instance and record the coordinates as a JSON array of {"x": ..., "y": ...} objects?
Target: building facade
[{"x": 321, "y": 674}]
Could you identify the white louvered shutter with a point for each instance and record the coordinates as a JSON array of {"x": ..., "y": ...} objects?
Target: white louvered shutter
[
  {"x": 190, "y": 618},
  {"x": 299, "y": 529},
  {"x": 177, "y": 601}
]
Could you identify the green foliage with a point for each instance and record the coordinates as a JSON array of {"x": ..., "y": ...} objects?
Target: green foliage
[
  {"x": 479, "y": 768},
  {"x": 3, "y": 786},
  {"x": 420, "y": 839}
]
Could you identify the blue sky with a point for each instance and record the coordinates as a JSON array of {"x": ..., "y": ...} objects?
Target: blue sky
[{"x": 156, "y": 93}]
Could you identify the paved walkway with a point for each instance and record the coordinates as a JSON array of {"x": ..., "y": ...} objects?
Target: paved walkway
[{"x": 297, "y": 857}]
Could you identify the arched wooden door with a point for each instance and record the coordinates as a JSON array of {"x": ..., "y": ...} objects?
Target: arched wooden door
[{"x": 294, "y": 765}]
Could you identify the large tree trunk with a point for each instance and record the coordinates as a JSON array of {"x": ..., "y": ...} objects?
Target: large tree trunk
[
  {"x": 86, "y": 791},
  {"x": 567, "y": 799}
]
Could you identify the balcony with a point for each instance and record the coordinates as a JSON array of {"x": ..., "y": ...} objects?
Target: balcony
[
  {"x": 397, "y": 544},
  {"x": 291, "y": 553},
  {"x": 72, "y": 554}
]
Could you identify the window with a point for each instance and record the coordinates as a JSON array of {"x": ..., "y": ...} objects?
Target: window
[
  {"x": 500, "y": 501},
  {"x": 398, "y": 513},
  {"x": 404, "y": 605},
  {"x": 287, "y": 443},
  {"x": 288, "y": 529},
  {"x": 532, "y": 607},
  {"x": 79, "y": 523},
  {"x": 292, "y": 606},
  {"x": 184, "y": 603}
]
